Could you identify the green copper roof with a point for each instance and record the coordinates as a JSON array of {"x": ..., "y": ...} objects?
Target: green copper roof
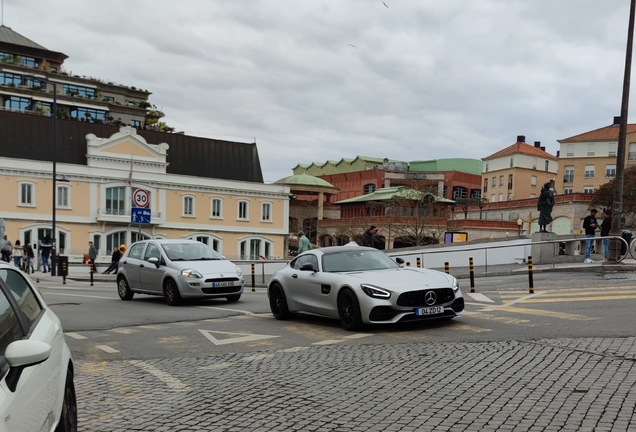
[
  {"x": 386, "y": 194},
  {"x": 304, "y": 180},
  {"x": 470, "y": 166},
  {"x": 9, "y": 36}
]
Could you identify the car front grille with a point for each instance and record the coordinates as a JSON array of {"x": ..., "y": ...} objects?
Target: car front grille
[
  {"x": 227, "y": 279},
  {"x": 417, "y": 298},
  {"x": 224, "y": 290}
]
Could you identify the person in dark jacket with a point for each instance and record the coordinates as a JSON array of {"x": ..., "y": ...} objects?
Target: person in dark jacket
[
  {"x": 590, "y": 225},
  {"x": 606, "y": 226},
  {"x": 114, "y": 261},
  {"x": 369, "y": 237},
  {"x": 46, "y": 244}
]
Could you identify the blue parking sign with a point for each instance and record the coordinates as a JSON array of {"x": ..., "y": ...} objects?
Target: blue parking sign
[{"x": 140, "y": 215}]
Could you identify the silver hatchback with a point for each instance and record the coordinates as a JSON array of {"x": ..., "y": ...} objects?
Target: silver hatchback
[{"x": 177, "y": 269}]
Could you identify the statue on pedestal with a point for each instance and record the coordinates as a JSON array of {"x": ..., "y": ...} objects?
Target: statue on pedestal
[{"x": 545, "y": 204}]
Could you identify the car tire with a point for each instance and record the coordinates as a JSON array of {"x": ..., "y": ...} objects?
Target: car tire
[
  {"x": 68, "y": 418},
  {"x": 278, "y": 303},
  {"x": 349, "y": 310},
  {"x": 171, "y": 292},
  {"x": 123, "y": 289},
  {"x": 233, "y": 298}
]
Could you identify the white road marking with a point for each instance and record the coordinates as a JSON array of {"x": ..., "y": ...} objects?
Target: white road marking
[
  {"x": 505, "y": 305},
  {"x": 479, "y": 297},
  {"x": 358, "y": 336},
  {"x": 229, "y": 310},
  {"x": 75, "y": 335},
  {"x": 244, "y": 337},
  {"x": 217, "y": 366},
  {"x": 79, "y": 295},
  {"x": 108, "y": 349},
  {"x": 293, "y": 350},
  {"x": 170, "y": 381},
  {"x": 328, "y": 342},
  {"x": 258, "y": 357}
]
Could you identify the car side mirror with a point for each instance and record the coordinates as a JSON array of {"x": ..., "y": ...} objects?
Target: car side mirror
[
  {"x": 399, "y": 260},
  {"x": 154, "y": 260},
  {"x": 22, "y": 354},
  {"x": 307, "y": 267}
]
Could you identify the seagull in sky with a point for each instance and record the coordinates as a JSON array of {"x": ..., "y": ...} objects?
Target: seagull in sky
[
  {"x": 387, "y": 6},
  {"x": 353, "y": 46}
]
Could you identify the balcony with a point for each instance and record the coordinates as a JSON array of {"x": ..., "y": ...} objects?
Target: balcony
[{"x": 123, "y": 216}]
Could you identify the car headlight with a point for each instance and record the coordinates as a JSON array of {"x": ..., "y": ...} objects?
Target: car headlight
[
  {"x": 455, "y": 285},
  {"x": 239, "y": 272},
  {"x": 375, "y": 292},
  {"x": 189, "y": 273}
]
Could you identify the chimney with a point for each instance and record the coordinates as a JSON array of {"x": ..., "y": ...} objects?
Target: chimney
[
  {"x": 521, "y": 138},
  {"x": 537, "y": 144},
  {"x": 542, "y": 148},
  {"x": 617, "y": 121},
  {"x": 558, "y": 152}
]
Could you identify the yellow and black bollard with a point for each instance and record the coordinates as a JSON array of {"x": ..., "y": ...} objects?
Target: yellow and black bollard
[
  {"x": 472, "y": 275},
  {"x": 530, "y": 281},
  {"x": 90, "y": 269},
  {"x": 64, "y": 271},
  {"x": 446, "y": 268},
  {"x": 253, "y": 278},
  {"x": 419, "y": 262}
]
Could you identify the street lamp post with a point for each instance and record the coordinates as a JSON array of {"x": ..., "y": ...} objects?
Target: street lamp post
[{"x": 519, "y": 224}]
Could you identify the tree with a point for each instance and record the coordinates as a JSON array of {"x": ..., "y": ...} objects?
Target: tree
[
  {"x": 464, "y": 203},
  {"x": 604, "y": 195}
]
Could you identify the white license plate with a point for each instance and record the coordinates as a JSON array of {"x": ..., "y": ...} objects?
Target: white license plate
[
  {"x": 429, "y": 310},
  {"x": 222, "y": 284}
]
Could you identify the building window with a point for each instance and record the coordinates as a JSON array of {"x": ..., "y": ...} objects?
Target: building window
[
  {"x": 570, "y": 150},
  {"x": 569, "y": 174},
  {"x": 475, "y": 193},
  {"x": 485, "y": 185},
  {"x": 109, "y": 99},
  {"x": 632, "y": 151},
  {"x": 486, "y": 168},
  {"x": 533, "y": 181},
  {"x": 533, "y": 196},
  {"x": 534, "y": 163},
  {"x": 509, "y": 182},
  {"x": 500, "y": 197},
  {"x": 188, "y": 205},
  {"x": 494, "y": 182},
  {"x": 115, "y": 239},
  {"x": 11, "y": 80},
  {"x": 547, "y": 165},
  {"x": 75, "y": 90},
  {"x": 15, "y": 103},
  {"x": 27, "y": 194},
  {"x": 212, "y": 241},
  {"x": 501, "y": 181},
  {"x": 266, "y": 211},
  {"x": 509, "y": 197},
  {"x": 512, "y": 162},
  {"x": 460, "y": 192},
  {"x": 116, "y": 200},
  {"x": 88, "y": 114},
  {"x": 63, "y": 196},
  {"x": 369, "y": 188},
  {"x": 243, "y": 210},
  {"x": 589, "y": 171},
  {"x": 493, "y": 198},
  {"x": 588, "y": 189},
  {"x": 612, "y": 149},
  {"x": 590, "y": 150},
  {"x": 255, "y": 248},
  {"x": 217, "y": 208},
  {"x": 567, "y": 191},
  {"x": 135, "y": 123},
  {"x": 610, "y": 170}
]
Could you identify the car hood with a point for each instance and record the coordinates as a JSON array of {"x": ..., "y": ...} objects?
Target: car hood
[
  {"x": 404, "y": 278},
  {"x": 209, "y": 268}
]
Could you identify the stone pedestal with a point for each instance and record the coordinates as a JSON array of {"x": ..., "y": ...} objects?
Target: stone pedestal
[{"x": 544, "y": 253}]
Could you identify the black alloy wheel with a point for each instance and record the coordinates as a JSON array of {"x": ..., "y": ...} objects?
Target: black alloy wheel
[
  {"x": 123, "y": 289},
  {"x": 68, "y": 419},
  {"x": 233, "y": 298},
  {"x": 278, "y": 303},
  {"x": 349, "y": 310},
  {"x": 171, "y": 293}
]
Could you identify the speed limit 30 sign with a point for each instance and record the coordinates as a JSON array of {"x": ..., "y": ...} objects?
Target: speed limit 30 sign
[{"x": 141, "y": 198}]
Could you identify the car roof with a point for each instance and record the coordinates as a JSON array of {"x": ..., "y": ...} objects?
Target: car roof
[
  {"x": 334, "y": 249},
  {"x": 166, "y": 241}
]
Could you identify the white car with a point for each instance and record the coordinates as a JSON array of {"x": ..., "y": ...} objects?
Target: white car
[
  {"x": 361, "y": 285},
  {"x": 36, "y": 369}
]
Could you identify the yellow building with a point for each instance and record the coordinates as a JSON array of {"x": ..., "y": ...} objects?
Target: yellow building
[{"x": 241, "y": 219}]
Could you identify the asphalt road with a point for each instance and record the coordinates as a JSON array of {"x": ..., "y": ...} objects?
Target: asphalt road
[{"x": 232, "y": 366}]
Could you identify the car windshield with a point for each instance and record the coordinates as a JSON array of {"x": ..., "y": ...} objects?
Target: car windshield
[
  {"x": 195, "y": 251},
  {"x": 357, "y": 260}
]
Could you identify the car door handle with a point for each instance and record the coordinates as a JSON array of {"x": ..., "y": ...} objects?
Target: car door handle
[
  {"x": 295, "y": 276},
  {"x": 125, "y": 262},
  {"x": 141, "y": 265}
]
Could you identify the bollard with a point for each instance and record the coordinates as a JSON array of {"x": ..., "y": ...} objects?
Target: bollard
[
  {"x": 472, "y": 275},
  {"x": 419, "y": 263},
  {"x": 91, "y": 271},
  {"x": 530, "y": 281},
  {"x": 253, "y": 278},
  {"x": 64, "y": 272},
  {"x": 447, "y": 268}
]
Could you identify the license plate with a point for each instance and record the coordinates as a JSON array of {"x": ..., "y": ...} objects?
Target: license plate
[
  {"x": 222, "y": 284},
  {"x": 429, "y": 310}
]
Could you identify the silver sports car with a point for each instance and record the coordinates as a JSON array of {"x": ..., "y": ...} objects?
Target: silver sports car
[{"x": 361, "y": 285}]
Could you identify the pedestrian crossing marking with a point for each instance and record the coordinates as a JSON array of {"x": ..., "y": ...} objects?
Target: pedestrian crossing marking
[
  {"x": 328, "y": 342},
  {"x": 153, "y": 327},
  {"x": 107, "y": 349},
  {"x": 75, "y": 335},
  {"x": 479, "y": 297},
  {"x": 562, "y": 315},
  {"x": 358, "y": 336},
  {"x": 124, "y": 330}
]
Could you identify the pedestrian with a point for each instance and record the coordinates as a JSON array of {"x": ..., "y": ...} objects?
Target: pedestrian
[
  {"x": 18, "y": 253},
  {"x": 29, "y": 258},
  {"x": 370, "y": 237},
  {"x": 92, "y": 256},
  {"x": 46, "y": 244},
  {"x": 6, "y": 248},
  {"x": 303, "y": 243},
  {"x": 589, "y": 225},
  {"x": 606, "y": 226},
  {"x": 114, "y": 261}
]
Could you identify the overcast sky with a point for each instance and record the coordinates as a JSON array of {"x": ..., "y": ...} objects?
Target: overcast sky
[{"x": 424, "y": 79}]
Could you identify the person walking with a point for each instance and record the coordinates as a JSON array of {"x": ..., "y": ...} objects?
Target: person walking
[
  {"x": 92, "y": 256},
  {"x": 303, "y": 243},
  {"x": 606, "y": 226},
  {"x": 46, "y": 244},
  {"x": 29, "y": 258},
  {"x": 114, "y": 261},
  {"x": 369, "y": 238},
  {"x": 590, "y": 225},
  {"x": 18, "y": 253},
  {"x": 6, "y": 248}
]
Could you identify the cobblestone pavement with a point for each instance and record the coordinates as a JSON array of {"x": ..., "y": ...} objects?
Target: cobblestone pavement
[{"x": 555, "y": 385}]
